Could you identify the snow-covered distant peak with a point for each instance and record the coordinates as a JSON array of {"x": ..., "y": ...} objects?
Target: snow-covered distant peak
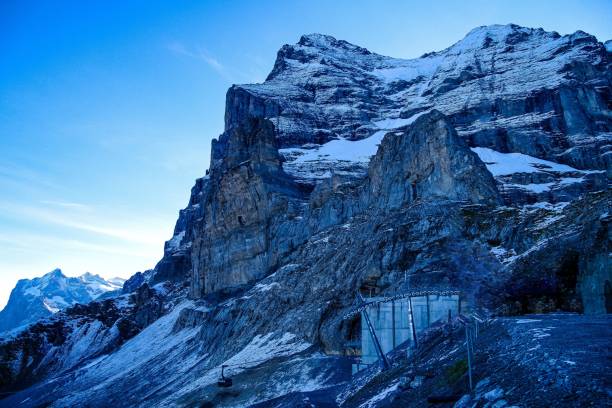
[
  {"x": 54, "y": 274},
  {"x": 32, "y": 299},
  {"x": 117, "y": 281},
  {"x": 97, "y": 285}
]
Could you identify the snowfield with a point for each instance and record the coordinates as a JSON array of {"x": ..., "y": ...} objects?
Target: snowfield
[{"x": 318, "y": 162}]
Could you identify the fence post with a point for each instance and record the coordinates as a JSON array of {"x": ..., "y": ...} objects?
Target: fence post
[
  {"x": 469, "y": 357},
  {"x": 414, "y": 333},
  {"x": 379, "y": 350}
]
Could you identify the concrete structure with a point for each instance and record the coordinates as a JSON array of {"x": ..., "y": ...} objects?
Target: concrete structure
[{"x": 391, "y": 321}]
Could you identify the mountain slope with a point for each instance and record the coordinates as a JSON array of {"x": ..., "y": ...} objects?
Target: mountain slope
[
  {"x": 37, "y": 298},
  {"x": 483, "y": 168}
]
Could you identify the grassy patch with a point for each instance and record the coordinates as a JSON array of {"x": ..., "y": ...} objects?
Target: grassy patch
[{"x": 456, "y": 371}]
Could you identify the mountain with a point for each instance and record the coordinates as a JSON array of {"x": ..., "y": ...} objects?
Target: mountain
[
  {"x": 483, "y": 168},
  {"x": 33, "y": 299},
  {"x": 513, "y": 94}
]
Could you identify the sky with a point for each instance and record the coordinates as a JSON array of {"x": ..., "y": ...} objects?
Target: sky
[{"x": 107, "y": 108}]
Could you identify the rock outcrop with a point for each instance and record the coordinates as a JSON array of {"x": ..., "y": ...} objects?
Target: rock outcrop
[
  {"x": 249, "y": 191},
  {"x": 429, "y": 162}
]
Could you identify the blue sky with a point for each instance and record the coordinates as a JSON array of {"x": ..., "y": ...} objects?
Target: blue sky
[{"x": 107, "y": 109}]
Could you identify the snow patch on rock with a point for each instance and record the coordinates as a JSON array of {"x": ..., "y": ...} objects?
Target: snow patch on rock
[{"x": 501, "y": 164}]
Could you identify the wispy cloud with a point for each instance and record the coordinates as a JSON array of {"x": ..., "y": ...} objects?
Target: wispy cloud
[
  {"x": 202, "y": 55},
  {"x": 138, "y": 231},
  {"x": 253, "y": 70},
  {"x": 68, "y": 205},
  {"x": 22, "y": 176},
  {"x": 26, "y": 243}
]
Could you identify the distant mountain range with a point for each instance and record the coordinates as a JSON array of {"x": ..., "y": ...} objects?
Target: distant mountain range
[{"x": 33, "y": 299}]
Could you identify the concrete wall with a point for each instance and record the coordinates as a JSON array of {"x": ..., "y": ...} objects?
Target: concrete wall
[{"x": 391, "y": 321}]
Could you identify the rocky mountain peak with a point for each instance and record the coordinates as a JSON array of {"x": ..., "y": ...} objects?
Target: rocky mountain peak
[
  {"x": 56, "y": 273},
  {"x": 324, "y": 90},
  {"x": 428, "y": 161},
  {"x": 32, "y": 299},
  {"x": 484, "y": 36},
  {"x": 317, "y": 51},
  {"x": 328, "y": 43}
]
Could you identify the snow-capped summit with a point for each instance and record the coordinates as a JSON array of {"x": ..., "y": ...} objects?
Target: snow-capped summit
[
  {"x": 33, "y": 299},
  {"x": 97, "y": 285},
  {"x": 508, "y": 88}
]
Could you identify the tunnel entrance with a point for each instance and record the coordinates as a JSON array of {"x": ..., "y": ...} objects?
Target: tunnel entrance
[
  {"x": 567, "y": 297},
  {"x": 551, "y": 289}
]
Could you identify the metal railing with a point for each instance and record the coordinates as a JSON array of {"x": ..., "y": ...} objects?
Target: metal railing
[
  {"x": 472, "y": 323},
  {"x": 414, "y": 293}
]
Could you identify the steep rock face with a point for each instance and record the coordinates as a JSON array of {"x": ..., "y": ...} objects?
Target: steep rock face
[
  {"x": 507, "y": 90},
  {"x": 248, "y": 225},
  {"x": 176, "y": 262},
  {"x": 429, "y": 162},
  {"x": 403, "y": 220},
  {"x": 234, "y": 243},
  {"x": 553, "y": 257}
]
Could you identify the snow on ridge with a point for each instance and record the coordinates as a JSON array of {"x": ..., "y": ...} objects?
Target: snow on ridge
[
  {"x": 328, "y": 155},
  {"x": 264, "y": 287},
  {"x": 557, "y": 207},
  {"x": 390, "y": 124},
  {"x": 373, "y": 401},
  {"x": 259, "y": 350},
  {"x": 97, "y": 285},
  {"x": 503, "y": 164},
  {"x": 50, "y": 306},
  {"x": 175, "y": 242},
  {"x": 503, "y": 255},
  {"x": 477, "y": 36},
  {"x": 533, "y": 187},
  {"x": 154, "y": 341},
  {"x": 33, "y": 291},
  {"x": 408, "y": 70},
  {"x": 338, "y": 150}
]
